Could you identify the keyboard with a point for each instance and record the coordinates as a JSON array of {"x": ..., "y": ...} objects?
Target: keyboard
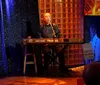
[{"x": 44, "y": 41}]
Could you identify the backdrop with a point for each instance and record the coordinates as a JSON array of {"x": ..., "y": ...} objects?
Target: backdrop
[{"x": 14, "y": 14}]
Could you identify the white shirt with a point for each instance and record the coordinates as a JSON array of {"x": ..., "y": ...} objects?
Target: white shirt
[{"x": 96, "y": 47}]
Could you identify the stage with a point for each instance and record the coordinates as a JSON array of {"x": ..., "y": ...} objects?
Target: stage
[{"x": 73, "y": 78}]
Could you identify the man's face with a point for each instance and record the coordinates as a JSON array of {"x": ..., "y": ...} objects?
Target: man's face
[
  {"x": 92, "y": 32},
  {"x": 47, "y": 18}
]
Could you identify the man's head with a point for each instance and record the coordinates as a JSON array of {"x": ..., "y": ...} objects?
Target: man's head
[
  {"x": 91, "y": 74},
  {"x": 47, "y": 18},
  {"x": 92, "y": 31}
]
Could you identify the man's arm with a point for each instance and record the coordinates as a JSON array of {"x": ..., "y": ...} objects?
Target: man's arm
[
  {"x": 40, "y": 34},
  {"x": 57, "y": 31}
]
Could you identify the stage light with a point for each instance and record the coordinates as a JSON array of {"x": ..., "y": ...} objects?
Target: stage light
[
  {"x": 9, "y": 8},
  {"x": 2, "y": 46},
  {"x": 59, "y": 0}
]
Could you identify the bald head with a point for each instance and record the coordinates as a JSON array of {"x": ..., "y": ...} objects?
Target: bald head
[{"x": 47, "y": 18}]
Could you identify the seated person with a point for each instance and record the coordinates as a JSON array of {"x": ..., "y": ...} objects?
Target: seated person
[
  {"x": 95, "y": 40},
  {"x": 91, "y": 74}
]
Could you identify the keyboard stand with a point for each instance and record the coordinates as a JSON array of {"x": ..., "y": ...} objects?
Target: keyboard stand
[{"x": 53, "y": 57}]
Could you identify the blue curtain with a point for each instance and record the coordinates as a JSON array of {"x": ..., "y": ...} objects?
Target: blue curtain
[
  {"x": 13, "y": 17},
  {"x": 12, "y": 31},
  {"x": 3, "y": 57}
]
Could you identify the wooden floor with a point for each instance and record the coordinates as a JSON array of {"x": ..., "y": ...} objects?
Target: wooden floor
[{"x": 74, "y": 78}]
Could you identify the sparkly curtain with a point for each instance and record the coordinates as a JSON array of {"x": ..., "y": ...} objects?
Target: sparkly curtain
[
  {"x": 3, "y": 57},
  {"x": 12, "y": 31},
  {"x": 15, "y": 28},
  {"x": 13, "y": 17}
]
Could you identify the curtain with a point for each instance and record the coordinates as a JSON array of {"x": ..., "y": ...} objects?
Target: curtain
[
  {"x": 3, "y": 57},
  {"x": 12, "y": 31},
  {"x": 13, "y": 17}
]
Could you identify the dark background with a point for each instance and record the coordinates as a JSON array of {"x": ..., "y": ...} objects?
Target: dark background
[
  {"x": 89, "y": 21},
  {"x": 20, "y": 20}
]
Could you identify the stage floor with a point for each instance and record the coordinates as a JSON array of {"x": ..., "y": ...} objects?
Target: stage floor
[{"x": 69, "y": 79}]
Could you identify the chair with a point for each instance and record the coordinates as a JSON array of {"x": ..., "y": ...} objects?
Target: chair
[
  {"x": 87, "y": 52},
  {"x": 26, "y": 55}
]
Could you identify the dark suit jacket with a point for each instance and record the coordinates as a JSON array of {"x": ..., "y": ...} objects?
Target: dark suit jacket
[{"x": 46, "y": 31}]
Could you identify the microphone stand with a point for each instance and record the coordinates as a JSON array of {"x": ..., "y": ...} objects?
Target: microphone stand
[
  {"x": 52, "y": 60},
  {"x": 54, "y": 34}
]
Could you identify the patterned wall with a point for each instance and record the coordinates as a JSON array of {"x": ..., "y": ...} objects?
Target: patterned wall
[
  {"x": 92, "y": 7},
  {"x": 68, "y": 15}
]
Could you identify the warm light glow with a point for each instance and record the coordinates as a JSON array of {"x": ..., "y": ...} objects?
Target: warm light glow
[
  {"x": 69, "y": 18},
  {"x": 92, "y": 9},
  {"x": 59, "y": 0}
]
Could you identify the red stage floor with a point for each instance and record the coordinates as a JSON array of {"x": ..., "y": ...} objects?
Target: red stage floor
[{"x": 71, "y": 79}]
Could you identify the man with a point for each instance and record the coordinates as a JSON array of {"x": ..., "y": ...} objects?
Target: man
[{"x": 49, "y": 30}]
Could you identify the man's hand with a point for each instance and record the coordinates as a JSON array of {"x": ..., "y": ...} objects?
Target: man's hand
[
  {"x": 46, "y": 45},
  {"x": 29, "y": 37}
]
